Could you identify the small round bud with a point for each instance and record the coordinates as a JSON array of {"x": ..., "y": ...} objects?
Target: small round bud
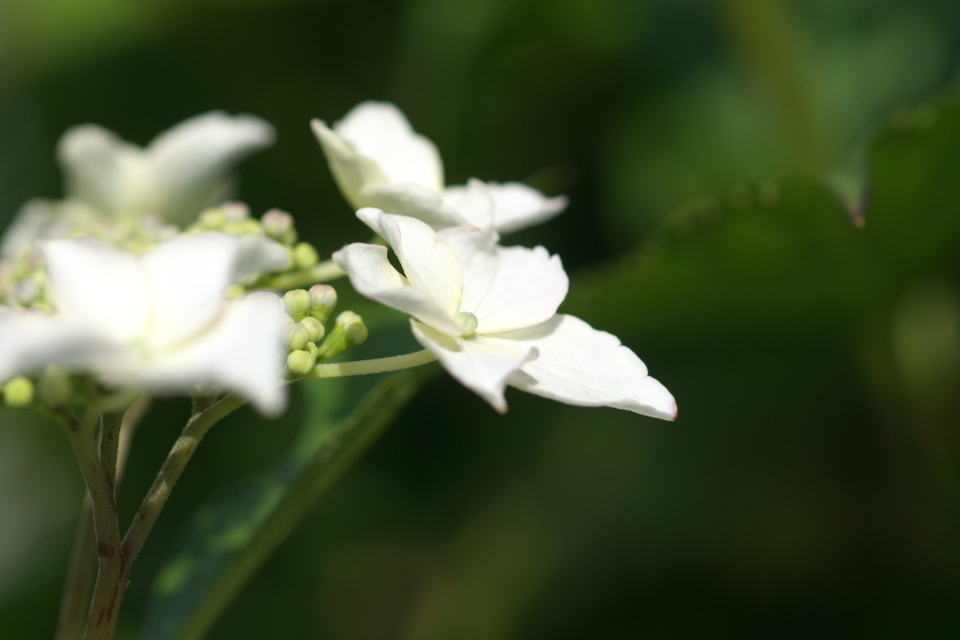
[
  {"x": 323, "y": 300},
  {"x": 300, "y": 363},
  {"x": 305, "y": 255},
  {"x": 314, "y": 327},
  {"x": 234, "y": 211},
  {"x": 468, "y": 323},
  {"x": 18, "y": 392},
  {"x": 212, "y": 219},
  {"x": 279, "y": 225},
  {"x": 348, "y": 332},
  {"x": 54, "y": 386},
  {"x": 297, "y": 304},
  {"x": 297, "y": 336},
  {"x": 353, "y": 328}
]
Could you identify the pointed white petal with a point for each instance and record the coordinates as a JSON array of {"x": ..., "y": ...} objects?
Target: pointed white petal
[
  {"x": 506, "y": 287},
  {"x": 474, "y": 203},
  {"x": 517, "y": 206},
  {"x": 372, "y": 275},
  {"x": 412, "y": 200},
  {"x": 427, "y": 261},
  {"x": 30, "y": 340},
  {"x": 352, "y": 171},
  {"x": 100, "y": 168},
  {"x": 482, "y": 367},
  {"x": 189, "y": 164},
  {"x": 189, "y": 275},
  {"x": 380, "y": 131},
  {"x": 98, "y": 285},
  {"x": 580, "y": 365},
  {"x": 242, "y": 352}
]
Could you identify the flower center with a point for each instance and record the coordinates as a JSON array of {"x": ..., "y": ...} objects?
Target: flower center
[{"x": 467, "y": 322}]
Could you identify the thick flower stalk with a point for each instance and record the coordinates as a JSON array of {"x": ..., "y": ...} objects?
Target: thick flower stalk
[
  {"x": 488, "y": 314},
  {"x": 378, "y": 160},
  {"x": 158, "y": 321}
]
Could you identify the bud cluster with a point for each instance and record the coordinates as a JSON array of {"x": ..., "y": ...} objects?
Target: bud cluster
[
  {"x": 234, "y": 218},
  {"x": 310, "y": 336}
]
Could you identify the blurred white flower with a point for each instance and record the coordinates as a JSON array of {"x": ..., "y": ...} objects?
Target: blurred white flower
[
  {"x": 379, "y": 161},
  {"x": 158, "y": 321},
  {"x": 488, "y": 313},
  {"x": 183, "y": 170}
]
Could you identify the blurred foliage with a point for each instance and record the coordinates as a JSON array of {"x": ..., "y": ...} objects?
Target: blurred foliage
[{"x": 810, "y": 488}]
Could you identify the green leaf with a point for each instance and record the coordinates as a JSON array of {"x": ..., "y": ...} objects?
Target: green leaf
[
  {"x": 231, "y": 537},
  {"x": 779, "y": 259}
]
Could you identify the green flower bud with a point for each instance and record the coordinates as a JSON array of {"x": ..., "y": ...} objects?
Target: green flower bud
[
  {"x": 279, "y": 225},
  {"x": 235, "y": 211},
  {"x": 312, "y": 350},
  {"x": 297, "y": 336},
  {"x": 314, "y": 327},
  {"x": 305, "y": 255},
  {"x": 323, "y": 300},
  {"x": 297, "y": 304},
  {"x": 245, "y": 227},
  {"x": 18, "y": 392},
  {"x": 54, "y": 386},
  {"x": 300, "y": 363},
  {"x": 348, "y": 332},
  {"x": 212, "y": 219},
  {"x": 467, "y": 321}
]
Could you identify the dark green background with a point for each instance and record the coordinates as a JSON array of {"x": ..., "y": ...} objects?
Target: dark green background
[{"x": 810, "y": 487}]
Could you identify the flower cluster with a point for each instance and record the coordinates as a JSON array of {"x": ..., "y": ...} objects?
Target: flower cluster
[{"x": 142, "y": 279}]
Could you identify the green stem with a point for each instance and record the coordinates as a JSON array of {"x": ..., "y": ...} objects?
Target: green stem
[
  {"x": 173, "y": 466},
  {"x": 81, "y": 574},
  {"x": 322, "y": 272},
  {"x": 108, "y": 589},
  {"x": 82, "y": 571},
  {"x": 376, "y": 365},
  {"x": 110, "y": 448}
]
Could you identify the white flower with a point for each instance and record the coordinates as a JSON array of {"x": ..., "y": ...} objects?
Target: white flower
[
  {"x": 182, "y": 171},
  {"x": 158, "y": 321},
  {"x": 379, "y": 161},
  {"x": 488, "y": 313}
]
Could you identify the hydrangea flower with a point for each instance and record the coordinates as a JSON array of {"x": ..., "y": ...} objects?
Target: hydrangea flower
[
  {"x": 183, "y": 170},
  {"x": 158, "y": 321},
  {"x": 488, "y": 314},
  {"x": 379, "y": 161}
]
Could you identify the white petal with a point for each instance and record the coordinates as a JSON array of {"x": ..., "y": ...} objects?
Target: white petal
[
  {"x": 28, "y": 226},
  {"x": 189, "y": 275},
  {"x": 474, "y": 203},
  {"x": 579, "y": 365},
  {"x": 241, "y": 352},
  {"x": 506, "y": 287},
  {"x": 352, "y": 171},
  {"x": 188, "y": 165},
  {"x": 481, "y": 367},
  {"x": 380, "y": 131},
  {"x": 411, "y": 200},
  {"x": 372, "y": 275},
  {"x": 517, "y": 206},
  {"x": 427, "y": 261},
  {"x": 98, "y": 285},
  {"x": 100, "y": 168},
  {"x": 30, "y": 340}
]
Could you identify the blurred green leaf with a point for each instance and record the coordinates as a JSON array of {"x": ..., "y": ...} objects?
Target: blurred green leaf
[
  {"x": 775, "y": 259},
  {"x": 229, "y": 538}
]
